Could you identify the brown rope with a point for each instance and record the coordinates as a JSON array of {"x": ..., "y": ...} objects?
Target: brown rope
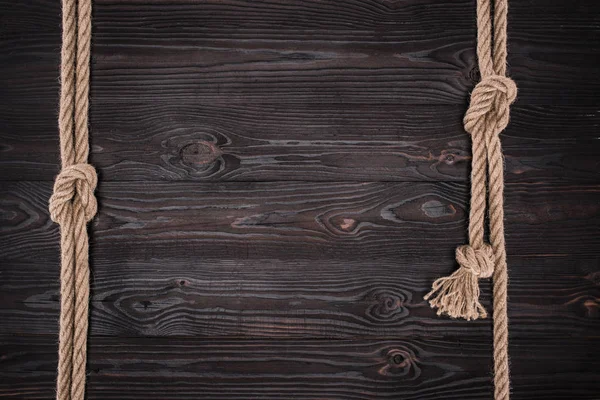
[
  {"x": 487, "y": 116},
  {"x": 73, "y": 203}
]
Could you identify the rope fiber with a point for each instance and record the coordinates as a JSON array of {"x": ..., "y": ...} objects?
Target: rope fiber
[
  {"x": 458, "y": 294},
  {"x": 73, "y": 203}
]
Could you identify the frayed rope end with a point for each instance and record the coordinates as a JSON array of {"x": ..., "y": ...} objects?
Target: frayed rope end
[{"x": 457, "y": 295}]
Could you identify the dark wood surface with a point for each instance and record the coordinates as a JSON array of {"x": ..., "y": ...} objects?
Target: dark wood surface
[{"x": 280, "y": 183}]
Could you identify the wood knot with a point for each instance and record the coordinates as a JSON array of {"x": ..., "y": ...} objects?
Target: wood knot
[
  {"x": 401, "y": 361},
  {"x": 453, "y": 156},
  {"x": 397, "y": 358},
  {"x": 200, "y": 153},
  {"x": 387, "y": 305},
  {"x": 424, "y": 209},
  {"x": 344, "y": 224},
  {"x": 146, "y": 304},
  {"x": 437, "y": 209},
  {"x": 453, "y": 161},
  {"x": 475, "y": 74}
]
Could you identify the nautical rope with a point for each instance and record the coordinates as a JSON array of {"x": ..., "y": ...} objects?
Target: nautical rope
[
  {"x": 487, "y": 116},
  {"x": 73, "y": 203}
]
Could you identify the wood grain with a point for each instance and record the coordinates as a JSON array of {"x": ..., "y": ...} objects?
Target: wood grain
[
  {"x": 280, "y": 183},
  {"x": 319, "y": 91},
  {"x": 551, "y": 297},
  {"x": 368, "y": 52},
  {"x": 186, "y": 368},
  {"x": 299, "y": 220},
  {"x": 317, "y": 142},
  {"x": 171, "y": 251}
]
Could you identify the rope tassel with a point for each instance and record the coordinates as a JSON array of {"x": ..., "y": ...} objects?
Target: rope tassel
[{"x": 457, "y": 295}]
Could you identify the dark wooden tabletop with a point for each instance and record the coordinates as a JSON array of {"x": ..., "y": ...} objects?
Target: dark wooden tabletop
[{"x": 280, "y": 183}]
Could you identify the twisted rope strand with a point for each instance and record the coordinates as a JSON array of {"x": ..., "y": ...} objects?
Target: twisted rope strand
[
  {"x": 73, "y": 203},
  {"x": 81, "y": 154},
  {"x": 487, "y": 116},
  {"x": 82, "y": 84},
  {"x": 66, "y": 123}
]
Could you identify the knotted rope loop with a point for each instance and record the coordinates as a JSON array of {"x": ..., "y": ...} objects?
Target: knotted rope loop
[
  {"x": 74, "y": 185},
  {"x": 457, "y": 295},
  {"x": 479, "y": 262},
  {"x": 73, "y": 204},
  {"x": 490, "y": 105}
]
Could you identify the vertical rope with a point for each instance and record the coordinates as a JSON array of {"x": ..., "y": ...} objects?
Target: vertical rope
[
  {"x": 73, "y": 203},
  {"x": 488, "y": 115}
]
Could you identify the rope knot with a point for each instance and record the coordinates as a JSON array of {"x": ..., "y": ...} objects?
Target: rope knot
[
  {"x": 457, "y": 295},
  {"x": 74, "y": 184},
  {"x": 490, "y": 105},
  {"x": 479, "y": 262}
]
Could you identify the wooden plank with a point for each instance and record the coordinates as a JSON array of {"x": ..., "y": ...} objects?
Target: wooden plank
[
  {"x": 438, "y": 73},
  {"x": 185, "y": 368},
  {"x": 334, "y": 106},
  {"x": 371, "y": 21},
  {"x": 317, "y": 142},
  {"x": 350, "y": 52},
  {"x": 553, "y": 297},
  {"x": 322, "y": 91},
  {"x": 299, "y": 220}
]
